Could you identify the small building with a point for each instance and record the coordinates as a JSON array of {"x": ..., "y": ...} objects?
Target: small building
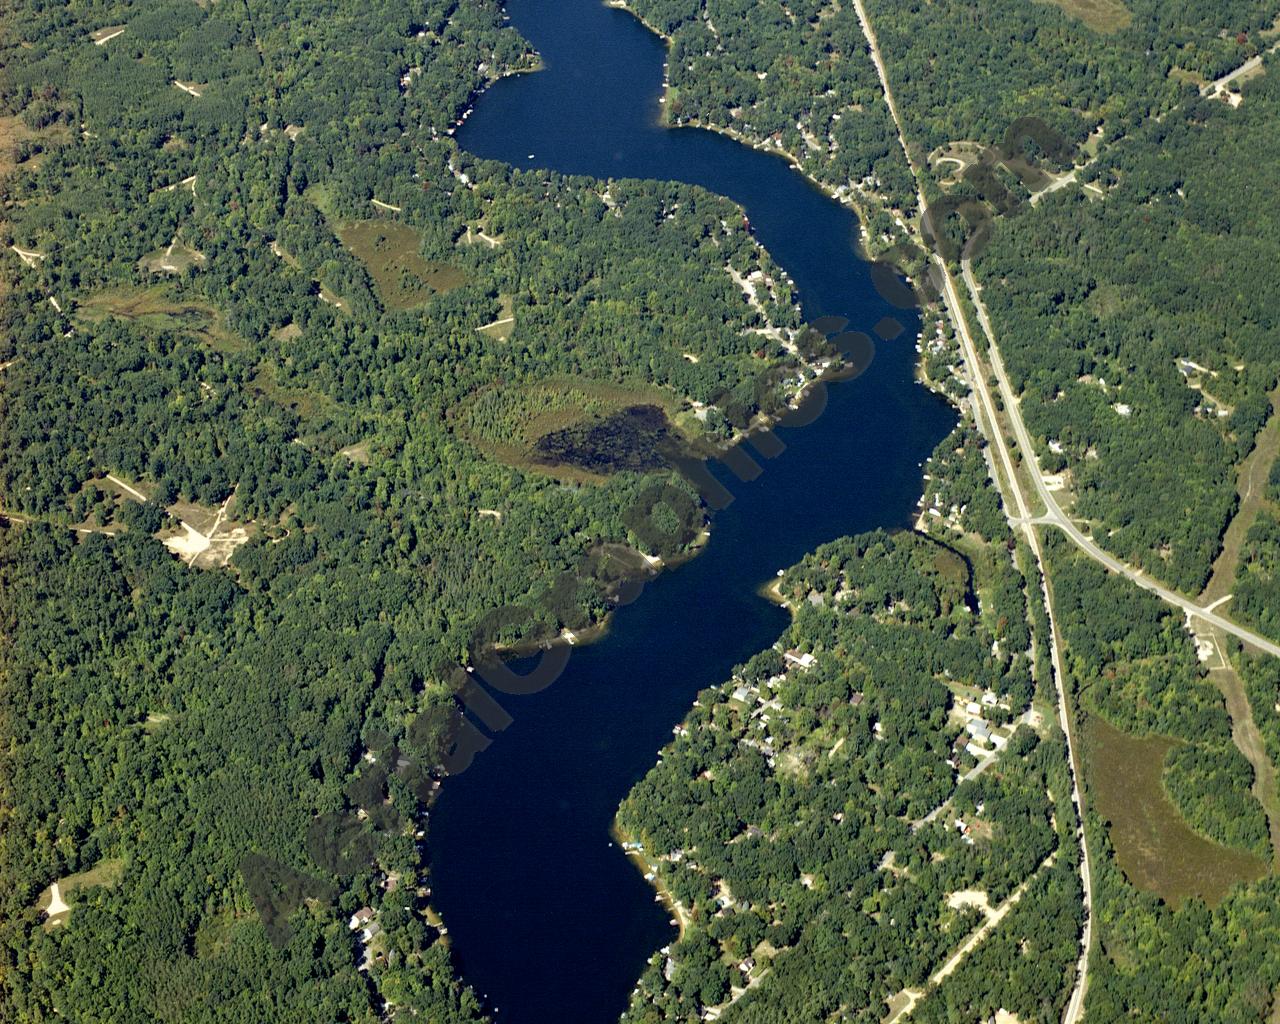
[
  {"x": 805, "y": 660},
  {"x": 978, "y": 729},
  {"x": 742, "y": 693},
  {"x": 972, "y": 708},
  {"x": 747, "y": 965},
  {"x": 989, "y": 699},
  {"x": 856, "y": 700},
  {"x": 360, "y": 918}
]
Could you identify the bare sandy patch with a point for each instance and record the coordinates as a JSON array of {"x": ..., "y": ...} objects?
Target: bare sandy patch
[
  {"x": 969, "y": 898},
  {"x": 206, "y": 539},
  {"x": 189, "y": 544}
]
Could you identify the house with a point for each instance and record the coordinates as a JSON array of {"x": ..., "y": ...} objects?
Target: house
[
  {"x": 856, "y": 700},
  {"x": 989, "y": 699},
  {"x": 805, "y": 660},
  {"x": 360, "y": 918},
  {"x": 973, "y": 709},
  {"x": 978, "y": 729},
  {"x": 747, "y": 965},
  {"x": 742, "y": 693}
]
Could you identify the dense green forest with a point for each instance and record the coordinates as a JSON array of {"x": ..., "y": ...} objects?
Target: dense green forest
[
  {"x": 792, "y": 819},
  {"x": 796, "y": 77},
  {"x": 961, "y": 73},
  {"x": 1139, "y": 328},
  {"x": 210, "y": 326},
  {"x": 1163, "y": 954},
  {"x": 1257, "y": 585},
  {"x": 1136, "y": 667}
]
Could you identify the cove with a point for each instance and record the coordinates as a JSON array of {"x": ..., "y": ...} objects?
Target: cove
[{"x": 550, "y": 922}]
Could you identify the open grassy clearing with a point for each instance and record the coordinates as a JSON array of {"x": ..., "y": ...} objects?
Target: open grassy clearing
[
  {"x": 56, "y": 899},
  {"x": 22, "y": 147},
  {"x": 360, "y": 453},
  {"x": 505, "y": 322},
  {"x": 506, "y": 422},
  {"x": 204, "y": 537},
  {"x": 106, "y": 34},
  {"x": 1251, "y": 486},
  {"x": 306, "y": 403},
  {"x": 156, "y": 308},
  {"x": 477, "y": 235},
  {"x": 1155, "y": 847},
  {"x": 1100, "y": 15},
  {"x": 175, "y": 258},
  {"x": 390, "y": 252},
  {"x": 278, "y": 250}
]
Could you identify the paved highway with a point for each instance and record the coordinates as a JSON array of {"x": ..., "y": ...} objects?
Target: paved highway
[{"x": 1054, "y": 513}]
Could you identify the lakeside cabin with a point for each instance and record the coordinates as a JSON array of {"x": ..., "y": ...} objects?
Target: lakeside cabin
[{"x": 805, "y": 660}]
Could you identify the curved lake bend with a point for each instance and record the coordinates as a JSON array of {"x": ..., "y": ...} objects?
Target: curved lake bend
[{"x": 550, "y": 922}]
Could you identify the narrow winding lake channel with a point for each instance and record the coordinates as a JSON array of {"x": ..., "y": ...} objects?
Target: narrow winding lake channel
[{"x": 550, "y": 922}]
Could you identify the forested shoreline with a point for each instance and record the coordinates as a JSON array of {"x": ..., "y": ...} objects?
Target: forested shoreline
[
  {"x": 267, "y": 329},
  {"x": 305, "y": 410}
]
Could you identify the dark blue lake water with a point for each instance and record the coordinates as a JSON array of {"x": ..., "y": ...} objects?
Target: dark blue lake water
[{"x": 550, "y": 922}]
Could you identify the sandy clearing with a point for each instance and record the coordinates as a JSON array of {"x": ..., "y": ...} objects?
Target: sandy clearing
[
  {"x": 110, "y": 34},
  {"x": 57, "y": 905},
  {"x": 385, "y": 206},
  {"x": 970, "y": 898},
  {"x": 188, "y": 545},
  {"x": 28, "y": 256},
  {"x": 187, "y": 87}
]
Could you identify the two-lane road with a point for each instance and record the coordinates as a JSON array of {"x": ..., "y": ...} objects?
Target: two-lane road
[{"x": 1055, "y": 514}]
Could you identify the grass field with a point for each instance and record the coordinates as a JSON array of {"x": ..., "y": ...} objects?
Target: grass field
[
  {"x": 306, "y": 403},
  {"x": 506, "y": 422},
  {"x": 1099, "y": 15},
  {"x": 505, "y": 322},
  {"x": 105, "y": 872},
  {"x": 390, "y": 252},
  {"x": 1155, "y": 847},
  {"x": 157, "y": 309}
]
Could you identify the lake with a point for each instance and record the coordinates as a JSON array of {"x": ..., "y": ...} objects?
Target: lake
[{"x": 550, "y": 922}]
